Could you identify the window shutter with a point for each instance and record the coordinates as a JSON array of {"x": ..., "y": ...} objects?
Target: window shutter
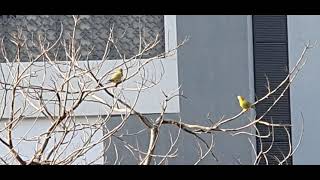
[{"x": 270, "y": 44}]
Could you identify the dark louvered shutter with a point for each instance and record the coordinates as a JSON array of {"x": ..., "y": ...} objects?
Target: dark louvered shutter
[{"x": 270, "y": 42}]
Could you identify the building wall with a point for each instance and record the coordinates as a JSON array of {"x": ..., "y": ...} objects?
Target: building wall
[
  {"x": 29, "y": 128},
  {"x": 134, "y": 134},
  {"x": 149, "y": 101},
  {"x": 305, "y": 89},
  {"x": 214, "y": 67}
]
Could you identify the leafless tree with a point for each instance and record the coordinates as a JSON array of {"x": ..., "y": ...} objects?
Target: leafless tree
[{"x": 53, "y": 87}]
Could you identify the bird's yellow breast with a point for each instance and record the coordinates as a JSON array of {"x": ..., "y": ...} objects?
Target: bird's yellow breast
[
  {"x": 244, "y": 104},
  {"x": 116, "y": 77}
]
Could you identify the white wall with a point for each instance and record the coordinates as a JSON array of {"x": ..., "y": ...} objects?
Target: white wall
[
  {"x": 29, "y": 128},
  {"x": 304, "y": 95}
]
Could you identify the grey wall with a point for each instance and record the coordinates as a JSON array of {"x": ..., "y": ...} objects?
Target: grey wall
[
  {"x": 214, "y": 67},
  {"x": 140, "y": 141},
  {"x": 305, "y": 89}
]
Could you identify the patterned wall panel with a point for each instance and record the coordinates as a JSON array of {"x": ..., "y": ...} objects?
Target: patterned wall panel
[{"x": 93, "y": 30}]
